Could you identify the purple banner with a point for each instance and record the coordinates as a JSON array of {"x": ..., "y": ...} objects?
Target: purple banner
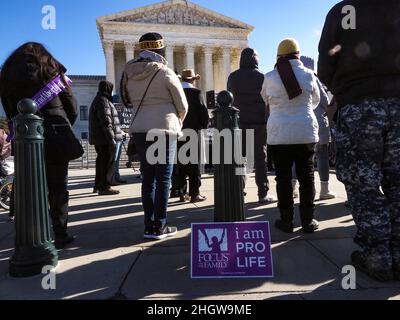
[
  {"x": 44, "y": 96},
  {"x": 231, "y": 250},
  {"x": 50, "y": 91}
]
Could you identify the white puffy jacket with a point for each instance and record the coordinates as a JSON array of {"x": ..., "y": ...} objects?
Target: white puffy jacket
[{"x": 292, "y": 121}]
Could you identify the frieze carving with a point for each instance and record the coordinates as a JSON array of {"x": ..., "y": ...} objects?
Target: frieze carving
[{"x": 179, "y": 16}]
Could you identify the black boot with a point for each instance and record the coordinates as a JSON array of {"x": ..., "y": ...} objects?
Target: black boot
[
  {"x": 360, "y": 262},
  {"x": 285, "y": 224},
  {"x": 397, "y": 274},
  {"x": 59, "y": 217},
  {"x": 62, "y": 241},
  {"x": 309, "y": 224}
]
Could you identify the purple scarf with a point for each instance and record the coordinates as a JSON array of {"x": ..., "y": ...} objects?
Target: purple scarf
[{"x": 44, "y": 96}]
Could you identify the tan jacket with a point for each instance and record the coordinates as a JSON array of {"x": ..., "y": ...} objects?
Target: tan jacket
[{"x": 164, "y": 107}]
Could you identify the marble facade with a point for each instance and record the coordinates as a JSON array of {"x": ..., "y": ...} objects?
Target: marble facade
[{"x": 195, "y": 37}]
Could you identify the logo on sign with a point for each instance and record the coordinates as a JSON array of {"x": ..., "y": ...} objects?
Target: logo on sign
[
  {"x": 213, "y": 248},
  {"x": 231, "y": 250}
]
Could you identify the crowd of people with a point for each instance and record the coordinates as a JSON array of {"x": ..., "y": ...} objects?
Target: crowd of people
[{"x": 287, "y": 110}]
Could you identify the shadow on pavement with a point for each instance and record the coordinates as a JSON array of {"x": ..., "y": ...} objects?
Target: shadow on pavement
[{"x": 110, "y": 257}]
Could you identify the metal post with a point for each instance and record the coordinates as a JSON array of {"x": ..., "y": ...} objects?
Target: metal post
[
  {"x": 87, "y": 155},
  {"x": 83, "y": 157},
  {"x": 33, "y": 241},
  {"x": 228, "y": 182}
]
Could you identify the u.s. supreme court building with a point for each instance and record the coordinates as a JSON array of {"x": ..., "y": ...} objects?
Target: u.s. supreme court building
[{"x": 196, "y": 38}]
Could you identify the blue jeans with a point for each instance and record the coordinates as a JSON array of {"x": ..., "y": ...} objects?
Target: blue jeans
[{"x": 156, "y": 181}]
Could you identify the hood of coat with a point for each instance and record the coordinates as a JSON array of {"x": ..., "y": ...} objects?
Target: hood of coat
[
  {"x": 145, "y": 66},
  {"x": 106, "y": 89},
  {"x": 249, "y": 59}
]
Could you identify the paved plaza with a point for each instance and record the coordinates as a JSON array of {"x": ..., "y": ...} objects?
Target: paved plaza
[{"x": 110, "y": 259}]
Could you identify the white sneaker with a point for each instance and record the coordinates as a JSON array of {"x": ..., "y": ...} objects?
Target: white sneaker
[
  {"x": 268, "y": 200},
  {"x": 163, "y": 233},
  {"x": 325, "y": 193}
]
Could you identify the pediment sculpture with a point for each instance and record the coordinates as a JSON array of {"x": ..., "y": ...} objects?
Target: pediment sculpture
[{"x": 177, "y": 16}]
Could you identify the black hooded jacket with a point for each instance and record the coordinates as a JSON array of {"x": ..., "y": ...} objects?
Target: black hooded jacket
[
  {"x": 104, "y": 124},
  {"x": 366, "y": 60},
  {"x": 246, "y": 85},
  {"x": 197, "y": 117}
]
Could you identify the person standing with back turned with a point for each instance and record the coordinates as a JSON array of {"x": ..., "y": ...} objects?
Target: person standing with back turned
[
  {"x": 196, "y": 120},
  {"x": 104, "y": 133},
  {"x": 360, "y": 65},
  {"x": 160, "y": 107},
  {"x": 27, "y": 71},
  {"x": 292, "y": 92},
  {"x": 245, "y": 85}
]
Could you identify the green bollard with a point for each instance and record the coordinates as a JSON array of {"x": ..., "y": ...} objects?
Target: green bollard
[
  {"x": 228, "y": 183},
  {"x": 33, "y": 241}
]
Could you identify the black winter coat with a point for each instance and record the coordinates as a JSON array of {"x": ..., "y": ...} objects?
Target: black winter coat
[
  {"x": 104, "y": 124},
  {"x": 197, "y": 117},
  {"x": 63, "y": 106},
  {"x": 246, "y": 85},
  {"x": 61, "y": 111},
  {"x": 367, "y": 59}
]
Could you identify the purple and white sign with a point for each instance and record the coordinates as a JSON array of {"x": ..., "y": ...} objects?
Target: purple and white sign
[
  {"x": 51, "y": 90},
  {"x": 231, "y": 250}
]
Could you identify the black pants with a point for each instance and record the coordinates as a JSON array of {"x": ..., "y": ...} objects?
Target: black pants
[
  {"x": 104, "y": 163},
  {"x": 270, "y": 160},
  {"x": 57, "y": 182},
  {"x": 284, "y": 157},
  {"x": 193, "y": 172},
  {"x": 260, "y": 155},
  {"x": 58, "y": 196},
  {"x": 175, "y": 181}
]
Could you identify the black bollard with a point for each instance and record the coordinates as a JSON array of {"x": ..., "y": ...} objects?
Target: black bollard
[
  {"x": 33, "y": 241},
  {"x": 228, "y": 181}
]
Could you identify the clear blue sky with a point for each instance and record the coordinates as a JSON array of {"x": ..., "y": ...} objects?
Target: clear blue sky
[{"x": 76, "y": 42}]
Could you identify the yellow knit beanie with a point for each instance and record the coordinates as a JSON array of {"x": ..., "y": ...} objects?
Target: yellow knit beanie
[{"x": 288, "y": 46}]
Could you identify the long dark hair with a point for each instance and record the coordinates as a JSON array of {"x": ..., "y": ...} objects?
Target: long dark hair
[{"x": 28, "y": 68}]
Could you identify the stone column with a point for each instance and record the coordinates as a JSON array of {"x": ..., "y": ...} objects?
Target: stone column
[
  {"x": 235, "y": 58},
  {"x": 129, "y": 50},
  {"x": 169, "y": 52},
  {"x": 208, "y": 68},
  {"x": 189, "y": 49},
  {"x": 226, "y": 60},
  {"x": 110, "y": 63}
]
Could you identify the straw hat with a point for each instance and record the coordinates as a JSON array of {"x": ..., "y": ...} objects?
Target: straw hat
[{"x": 189, "y": 74}]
